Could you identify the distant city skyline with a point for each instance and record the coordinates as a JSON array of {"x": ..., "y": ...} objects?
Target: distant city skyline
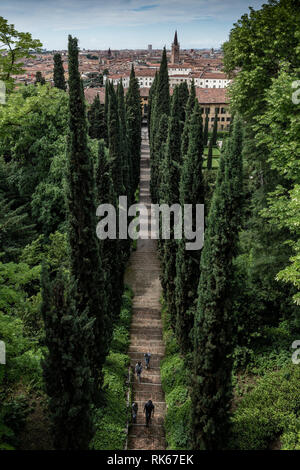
[{"x": 127, "y": 24}]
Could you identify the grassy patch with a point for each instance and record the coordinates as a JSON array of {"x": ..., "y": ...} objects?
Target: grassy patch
[
  {"x": 111, "y": 419},
  {"x": 175, "y": 377}
]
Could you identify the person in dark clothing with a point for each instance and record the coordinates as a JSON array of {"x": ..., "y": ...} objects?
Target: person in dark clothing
[
  {"x": 147, "y": 359},
  {"x": 134, "y": 409},
  {"x": 138, "y": 370},
  {"x": 148, "y": 410}
]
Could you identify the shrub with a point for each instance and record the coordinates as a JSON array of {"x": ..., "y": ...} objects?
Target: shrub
[
  {"x": 269, "y": 410},
  {"x": 111, "y": 420},
  {"x": 174, "y": 378}
]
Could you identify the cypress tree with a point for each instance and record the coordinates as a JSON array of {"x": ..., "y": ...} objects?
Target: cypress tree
[
  {"x": 213, "y": 327},
  {"x": 174, "y": 145},
  {"x": 210, "y": 154},
  {"x": 104, "y": 182},
  {"x": 159, "y": 150},
  {"x": 126, "y": 161},
  {"x": 134, "y": 122},
  {"x": 114, "y": 142},
  {"x": 188, "y": 113},
  {"x": 161, "y": 102},
  {"x": 59, "y": 73},
  {"x": 205, "y": 134},
  {"x": 187, "y": 262},
  {"x": 151, "y": 99},
  {"x": 111, "y": 255},
  {"x": 170, "y": 195},
  {"x": 84, "y": 247},
  {"x": 215, "y": 130},
  {"x": 39, "y": 78},
  {"x": 183, "y": 99},
  {"x": 115, "y": 251},
  {"x": 66, "y": 367},
  {"x": 126, "y": 168},
  {"x": 97, "y": 128}
]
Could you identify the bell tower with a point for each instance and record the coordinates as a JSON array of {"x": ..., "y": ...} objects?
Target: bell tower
[{"x": 175, "y": 50}]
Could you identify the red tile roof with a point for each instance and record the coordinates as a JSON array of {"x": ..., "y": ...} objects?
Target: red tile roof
[{"x": 212, "y": 95}]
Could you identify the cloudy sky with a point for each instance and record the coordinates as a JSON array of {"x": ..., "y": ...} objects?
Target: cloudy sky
[{"x": 121, "y": 24}]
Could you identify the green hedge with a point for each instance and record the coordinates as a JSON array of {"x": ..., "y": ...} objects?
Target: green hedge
[
  {"x": 271, "y": 410},
  {"x": 175, "y": 377},
  {"x": 111, "y": 419}
]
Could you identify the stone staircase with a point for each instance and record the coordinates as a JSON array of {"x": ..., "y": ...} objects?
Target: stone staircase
[{"x": 146, "y": 328}]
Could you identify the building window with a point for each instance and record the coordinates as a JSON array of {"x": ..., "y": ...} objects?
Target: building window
[
  {"x": 228, "y": 119},
  {"x": 212, "y": 119},
  {"x": 207, "y": 110},
  {"x": 217, "y": 110},
  {"x": 223, "y": 119}
]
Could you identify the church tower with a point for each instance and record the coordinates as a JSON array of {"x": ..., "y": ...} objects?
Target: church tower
[{"x": 175, "y": 50}]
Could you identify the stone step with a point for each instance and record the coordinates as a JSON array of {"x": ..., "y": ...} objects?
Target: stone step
[
  {"x": 146, "y": 310},
  {"x": 160, "y": 406},
  {"x": 137, "y": 354},
  {"x": 140, "y": 315},
  {"x": 159, "y": 349},
  {"x": 146, "y": 322},
  {"x": 154, "y": 395},
  {"x": 139, "y": 333},
  {"x": 146, "y": 443},
  {"x": 149, "y": 379},
  {"x": 154, "y": 430},
  {"x": 157, "y": 419},
  {"x": 147, "y": 343}
]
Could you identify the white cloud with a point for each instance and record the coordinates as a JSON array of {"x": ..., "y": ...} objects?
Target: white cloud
[{"x": 49, "y": 19}]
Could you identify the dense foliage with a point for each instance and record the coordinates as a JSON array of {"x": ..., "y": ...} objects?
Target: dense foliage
[{"x": 60, "y": 306}]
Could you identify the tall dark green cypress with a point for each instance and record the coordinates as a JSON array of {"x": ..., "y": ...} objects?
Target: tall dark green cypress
[
  {"x": 161, "y": 99},
  {"x": 134, "y": 122},
  {"x": 159, "y": 150},
  {"x": 59, "y": 73},
  {"x": 170, "y": 195},
  {"x": 188, "y": 262},
  {"x": 151, "y": 99},
  {"x": 210, "y": 154},
  {"x": 174, "y": 145},
  {"x": 183, "y": 99},
  {"x": 114, "y": 142},
  {"x": 162, "y": 102},
  {"x": 213, "y": 327},
  {"x": 215, "y": 130},
  {"x": 114, "y": 251},
  {"x": 126, "y": 161},
  {"x": 188, "y": 113},
  {"x": 205, "y": 134},
  {"x": 97, "y": 127},
  {"x": 39, "y": 78},
  {"x": 66, "y": 367},
  {"x": 85, "y": 261},
  {"x": 104, "y": 182}
]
